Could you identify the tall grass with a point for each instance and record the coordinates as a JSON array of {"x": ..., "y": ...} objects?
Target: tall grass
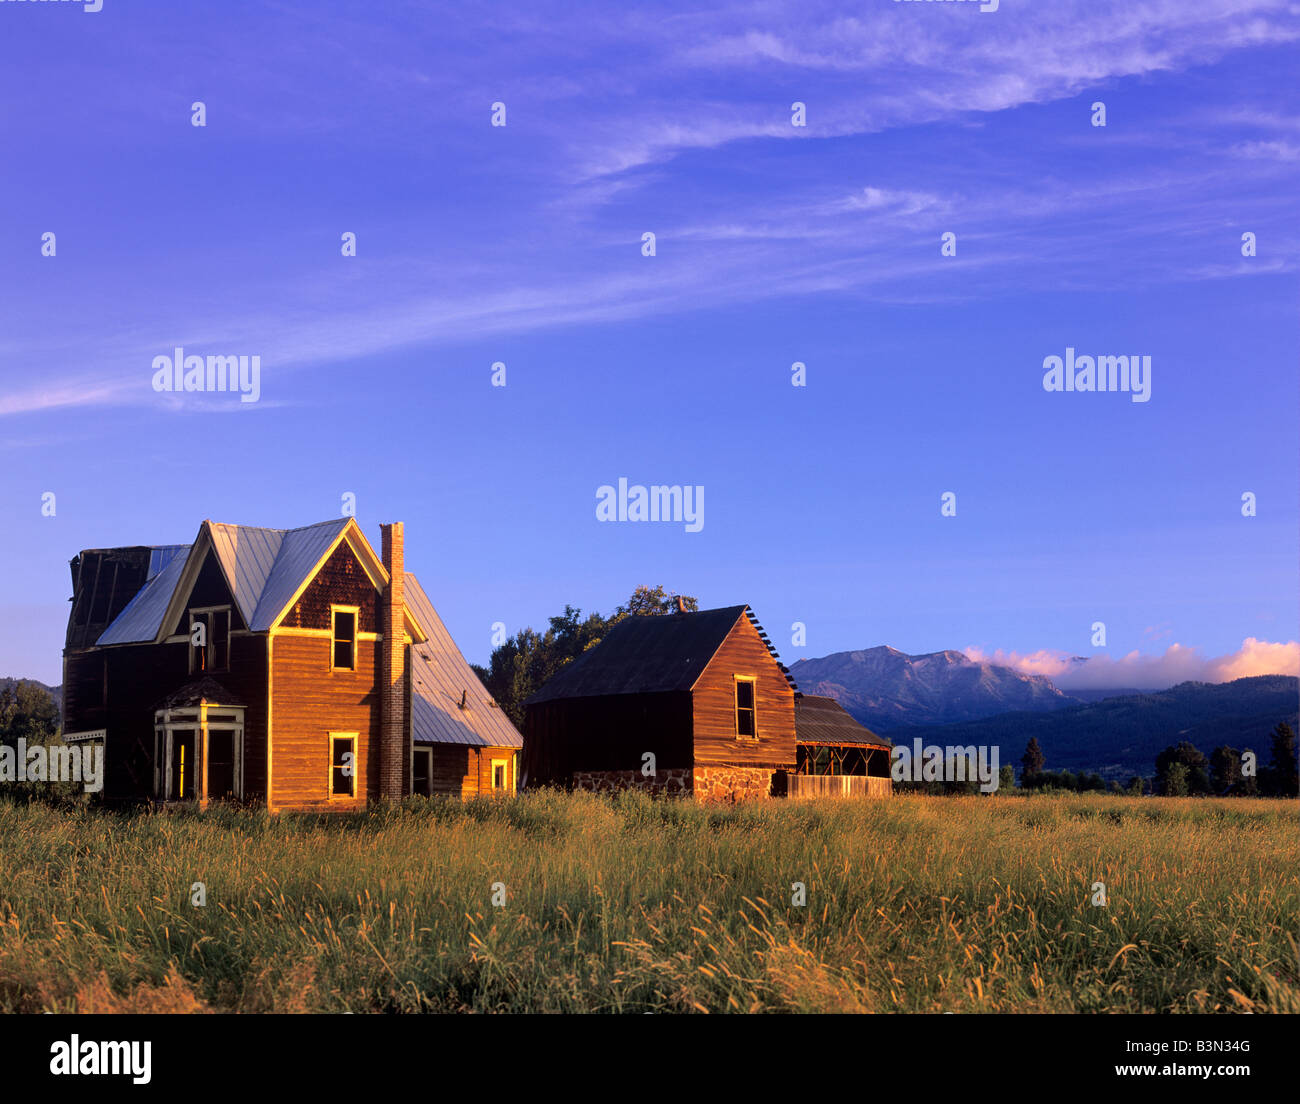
[{"x": 628, "y": 904}]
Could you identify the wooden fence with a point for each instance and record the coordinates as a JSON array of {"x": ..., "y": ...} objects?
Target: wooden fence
[{"x": 839, "y": 785}]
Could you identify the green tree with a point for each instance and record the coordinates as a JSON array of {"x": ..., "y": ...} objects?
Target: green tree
[
  {"x": 1191, "y": 757},
  {"x": 1175, "y": 779},
  {"x": 1006, "y": 778},
  {"x": 1225, "y": 770},
  {"x": 528, "y": 660},
  {"x": 1032, "y": 763},
  {"x": 1280, "y": 779},
  {"x": 27, "y": 711}
]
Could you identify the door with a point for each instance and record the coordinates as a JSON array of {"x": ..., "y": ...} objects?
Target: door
[
  {"x": 182, "y": 765},
  {"x": 221, "y": 764},
  {"x": 421, "y": 772}
]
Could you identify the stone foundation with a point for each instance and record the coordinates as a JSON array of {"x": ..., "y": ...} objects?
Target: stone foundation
[
  {"x": 677, "y": 781},
  {"x": 709, "y": 784},
  {"x": 732, "y": 784}
]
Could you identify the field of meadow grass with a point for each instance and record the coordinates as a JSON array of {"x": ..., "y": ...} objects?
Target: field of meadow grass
[{"x": 627, "y": 904}]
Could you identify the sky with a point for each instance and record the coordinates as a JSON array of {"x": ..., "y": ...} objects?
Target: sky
[{"x": 774, "y": 244}]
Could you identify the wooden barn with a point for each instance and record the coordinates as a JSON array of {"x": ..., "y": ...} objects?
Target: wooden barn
[
  {"x": 699, "y": 704},
  {"x": 835, "y": 755},
  {"x": 290, "y": 667}
]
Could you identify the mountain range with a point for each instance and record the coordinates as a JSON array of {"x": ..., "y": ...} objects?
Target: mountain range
[
  {"x": 886, "y": 689},
  {"x": 950, "y": 699}
]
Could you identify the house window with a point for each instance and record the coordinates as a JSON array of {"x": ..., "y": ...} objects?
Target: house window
[
  {"x": 498, "y": 774},
  {"x": 344, "y": 657},
  {"x": 343, "y": 765},
  {"x": 746, "y": 719},
  {"x": 209, "y": 633}
]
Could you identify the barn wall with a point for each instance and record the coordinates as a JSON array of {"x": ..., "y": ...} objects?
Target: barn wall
[
  {"x": 716, "y": 742},
  {"x": 308, "y": 702},
  {"x": 605, "y": 734}
]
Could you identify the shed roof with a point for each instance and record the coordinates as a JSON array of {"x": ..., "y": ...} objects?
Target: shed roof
[
  {"x": 645, "y": 655},
  {"x": 440, "y": 675},
  {"x": 819, "y": 720}
]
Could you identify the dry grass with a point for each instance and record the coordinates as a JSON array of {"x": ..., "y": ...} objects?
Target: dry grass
[{"x": 631, "y": 905}]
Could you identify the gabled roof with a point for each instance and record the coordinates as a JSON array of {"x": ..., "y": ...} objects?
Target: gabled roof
[
  {"x": 645, "y": 655},
  {"x": 264, "y": 568},
  {"x": 439, "y": 677},
  {"x": 819, "y": 720}
]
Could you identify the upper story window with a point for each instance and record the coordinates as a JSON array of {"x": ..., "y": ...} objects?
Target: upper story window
[
  {"x": 209, "y": 633},
  {"x": 343, "y": 656},
  {"x": 746, "y": 710}
]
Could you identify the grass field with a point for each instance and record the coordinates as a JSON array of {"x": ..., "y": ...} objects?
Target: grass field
[{"x": 632, "y": 905}]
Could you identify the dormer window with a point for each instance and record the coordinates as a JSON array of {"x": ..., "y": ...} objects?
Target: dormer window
[
  {"x": 344, "y": 651},
  {"x": 209, "y": 636}
]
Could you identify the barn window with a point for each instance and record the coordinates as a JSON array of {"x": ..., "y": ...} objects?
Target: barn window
[
  {"x": 343, "y": 764},
  {"x": 498, "y": 774},
  {"x": 345, "y": 638},
  {"x": 746, "y": 718}
]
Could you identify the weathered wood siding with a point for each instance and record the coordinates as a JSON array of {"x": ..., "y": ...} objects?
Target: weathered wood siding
[
  {"x": 467, "y": 771},
  {"x": 605, "y": 733},
  {"x": 308, "y": 702},
  {"x": 716, "y": 743},
  {"x": 138, "y": 677}
]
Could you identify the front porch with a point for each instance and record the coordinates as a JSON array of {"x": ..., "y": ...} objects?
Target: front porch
[{"x": 198, "y": 752}]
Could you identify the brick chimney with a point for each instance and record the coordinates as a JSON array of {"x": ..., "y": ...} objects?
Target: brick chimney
[{"x": 392, "y": 669}]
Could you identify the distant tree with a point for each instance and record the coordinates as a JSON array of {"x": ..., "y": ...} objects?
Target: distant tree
[
  {"x": 27, "y": 711},
  {"x": 528, "y": 660},
  {"x": 1092, "y": 781},
  {"x": 1136, "y": 786},
  {"x": 1006, "y": 778},
  {"x": 1033, "y": 761},
  {"x": 1225, "y": 770},
  {"x": 1280, "y": 778},
  {"x": 1174, "y": 782},
  {"x": 1197, "y": 780}
]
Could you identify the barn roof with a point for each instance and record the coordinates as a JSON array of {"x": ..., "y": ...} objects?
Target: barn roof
[
  {"x": 440, "y": 676},
  {"x": 819, "y": 720},
  {"x": 645, "y": 655}
]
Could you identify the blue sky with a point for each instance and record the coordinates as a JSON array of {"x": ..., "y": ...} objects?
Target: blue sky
[{"x": 774, "y": 244}]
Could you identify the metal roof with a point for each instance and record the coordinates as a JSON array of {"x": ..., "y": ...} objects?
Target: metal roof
[
  {"x": 439, "y": 677},
  {"x": 141, "y": 618},
  {"x": 819, "y": 720},
  {"x": 297, "y": 552},
  {"x": 645, "y": 655},
  {"x": 265, "y": 567},
  {"x": 161, "y": 555}
]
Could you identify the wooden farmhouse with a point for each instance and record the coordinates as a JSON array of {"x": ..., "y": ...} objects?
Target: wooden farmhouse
[
  {"x": 289, "y": 667},
  {"x": 688, "y": 703}
]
